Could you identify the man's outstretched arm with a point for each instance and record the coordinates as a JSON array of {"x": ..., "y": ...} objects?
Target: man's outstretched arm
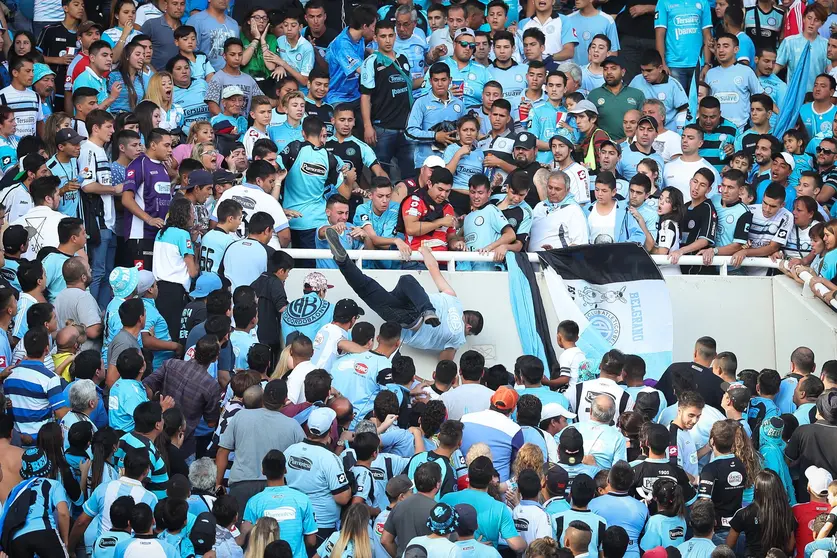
[{"x": 433, "y": 267}]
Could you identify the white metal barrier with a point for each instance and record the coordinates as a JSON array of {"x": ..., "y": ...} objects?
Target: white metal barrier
[{"x": 723, "y": 262}]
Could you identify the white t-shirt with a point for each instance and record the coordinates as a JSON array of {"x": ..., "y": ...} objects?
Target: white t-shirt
[
  {"x": 531, "y": 521},
  {"x": 251, "y": 136},
  {"x": 94, "y": 167},
  {"x": 296, "y": 381},
  {"x": 667, "y": 145},
  {"x": 602, "y": 227},
  {"x": 27, "y": 109},
  {"x": 679, "y": 173},
  {"x": 147, "y": 12},
  {"x": 325, "y": 345},
  {"x": 558, "y": 226},
  {"x": 467, "y": 398},
  {"x": 253, "y": 199},
  {"x": 579, "y": 181},
  {"x": 17, "y": 201},
  {"x": 582, "y": 395},
  {"x": 569, "y": 362},
  {"x": 42, "y": 224}
]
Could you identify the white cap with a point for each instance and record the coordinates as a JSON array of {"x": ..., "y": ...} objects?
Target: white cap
[
  {"x": 788, "y": 158},
  {"x": 433, "y": 161},
  {"x": 231, "y": 91},
  {"x": 818, "y": 479},
  {"x": 553, "y": 410}
]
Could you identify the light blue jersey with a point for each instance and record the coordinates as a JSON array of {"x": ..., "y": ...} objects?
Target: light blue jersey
[
  {"x": 470, "y": 79},
  {"x": 53, "y": 265},
  {"x": 449, "y": 334},
  {"x": 299, "y": 57},
  {"x": 213, "y": 245},
  {"x": 817, "y": 125},
  {"x": 469, "y": 165},
  {"x": 669, "y": 92},
  {"x": 663, "y": 531},
  {"x": 68, "y": 205},
  {"x": 776, "y": 89},
  {"x": 307, "y": 191},
  {"x": 803, "y": 413},
  {"x": 191, "y": 99},
  {"x": 482, "y": 227},
  {"x": 241, "y": 342},
  {"x": 316, "y": 471},
  {"x": 125, "y": 396},
  {"x": 122, "y": 103},
  {"x": 414, "y": 49},
  {"x": 513, "y": 80},
  {"x": 790, "y": 55},
  {"x": 348, "y": 242},
  {"x": 291, "y": 508},
  {"x": 746, "y": 49},
  {"x": 684, "y": 22},
  {"x": 355, "y": 376},
  {"x": 42, "y": 511},
  {"x": 159, "y": 328},
  {"x": 625, "y": 511},
  {"x": 5, "y": 351},
  {"x": 733, "y": 87},
  {"x": 729, "y": 230},
  {"x": 8, "y": 152},
  {"x": 383, "y": 225},
  {"x": 306, "y": 315},
  {"x": 631, "y": 156},
  {"x": 344, "y": 57},
  {"x": 20, "y": 326},
  {"x": 244, "y": 261},
  {"x": 88, "y": 78},
  {"x": 546, "y": 395},
  {"x": 98, "y": 504},
  {"x": 784, "y": 399},
  {"x": 696, "y": 547},
  {"x": 200, "y": 68},
  {"x": 494, "y": 518},
  {"x": 605, "y": 443},
  {"x": 146, "y": 546},
  {"x": 426, "y": 113},
  {"x": 590, "y": 81},
  {"x": 472, "y": 549},
  {"x": 587, "y": 27},
  {"x": 544, "y": 124},
  {"x": 105, "y": 545}
]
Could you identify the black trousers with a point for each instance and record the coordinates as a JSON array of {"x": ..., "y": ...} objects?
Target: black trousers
[
  {"x": 171, "y": 299},
  {"x": 304, "y": 239},
  {"x": 38, "y": 543},
  {"x": 403, "y": 305},
  {"x": 140, "y": 253}
]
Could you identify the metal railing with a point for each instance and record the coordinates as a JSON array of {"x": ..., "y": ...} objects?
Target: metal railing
[{"x": 722, "y": 262}]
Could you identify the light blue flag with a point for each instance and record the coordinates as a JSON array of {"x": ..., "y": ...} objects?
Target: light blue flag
[
  {"x": 795, "y": 97},
  {"x": 520, "y": 294}
]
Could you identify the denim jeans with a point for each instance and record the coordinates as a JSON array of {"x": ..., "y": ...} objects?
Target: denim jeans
[
  {"x": 393, "y": 144},
  {"x": 684, "y": 76},
  {"x": 403, "y": 305},
  {"x": 102, "y": 257}
]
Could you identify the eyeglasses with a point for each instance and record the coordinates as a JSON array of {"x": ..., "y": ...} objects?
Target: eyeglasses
[
  {"x": 259, "y": 17},
  {"x": 826, "y": 151},
  {"x": 213, "y": 153},
  {"x": 466, "y": 44}
]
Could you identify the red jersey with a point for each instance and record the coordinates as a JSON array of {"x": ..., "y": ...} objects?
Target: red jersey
[
  {"x": 793, "y": 19},
  {"x": 414, "y": 206},
  {"x": 805, "y": 515}
]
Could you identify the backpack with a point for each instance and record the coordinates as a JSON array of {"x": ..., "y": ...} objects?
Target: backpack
[{"x": 15, "y": 517}]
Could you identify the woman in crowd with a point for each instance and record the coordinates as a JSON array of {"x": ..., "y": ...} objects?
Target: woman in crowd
[
  {"x": 51, "y": 442},
  {"x": 257, "y": 61},
  {"x": 122, "y": 29},
  {"x": 171, "y": 440},
  {"x": 264, "y": 532},
  {"x": 129, "y": 74},
  {"x": 464, "y": 159},
  {"x": 160, "y": 91},
  {"x": 54, "y": 122},
  {"x": 651, "y": 169},
  {"x": 768, "y": 522},
  {"x": 149, "y": 117},
  {"x": 353, "y": 539},
  {"x": 743, "y": 449},
  {"x": 103, "y": 447},
  {"x": 24, "y": 43},
  {"x": 208, "y": 155},
  {"x": 189, "y": 93},
  {"x": 200, "y": 133}
]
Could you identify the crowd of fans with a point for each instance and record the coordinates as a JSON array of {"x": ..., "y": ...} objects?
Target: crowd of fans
[{"x": 164, "y": 395}]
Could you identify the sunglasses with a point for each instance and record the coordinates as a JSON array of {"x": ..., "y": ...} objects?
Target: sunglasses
[
  {"x": 826, "y": 151},
  {"x": 466, "y": 44}
]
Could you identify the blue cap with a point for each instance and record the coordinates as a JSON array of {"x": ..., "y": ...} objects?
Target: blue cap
[
  {"x": 123, "y": 281},
  {"x": 34, "y": 463},
  {"x": 206, "y": 283},
  {"x": 199, "y": 178},
  {"x": 41, "y": 71}
]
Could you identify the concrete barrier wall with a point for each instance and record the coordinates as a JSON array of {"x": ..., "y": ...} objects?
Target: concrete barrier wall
[{"x": 761, "y": 319}]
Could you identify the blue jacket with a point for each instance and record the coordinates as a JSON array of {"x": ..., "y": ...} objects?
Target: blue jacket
[
  {"x": 626, "y": 228},
  {"x": 428, "y": 111}
]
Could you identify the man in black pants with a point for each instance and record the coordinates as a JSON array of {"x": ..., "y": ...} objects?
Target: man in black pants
[{"x": 407, "y": 304}]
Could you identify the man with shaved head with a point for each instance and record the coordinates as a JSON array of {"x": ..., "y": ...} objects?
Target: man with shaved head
[
  {"x": 801, "y": 365},
  {"x": 577, "y": 537}
]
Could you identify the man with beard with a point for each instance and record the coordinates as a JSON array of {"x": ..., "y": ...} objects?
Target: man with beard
[
  {"x": 614, "y": 98},
  {"x": 826, "y": 155},
  {"x": 766, "y": 146},
  {"x": 525, "y": 152},
  {"x": 77, "y": 304},
  {"x": 44, "y": 85}
]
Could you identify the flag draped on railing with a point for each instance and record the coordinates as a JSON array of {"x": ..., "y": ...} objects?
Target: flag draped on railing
[
  {"x": 529, "y": 314},
  {"x": 795, "y": 96}
]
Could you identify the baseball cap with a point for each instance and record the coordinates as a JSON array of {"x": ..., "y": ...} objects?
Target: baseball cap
[
  {"x": 87, "y": 26},
  {"x": 145, "y": 280},
  {"x": 611, "y": 143},
  {"x": 739, "y": 394},
  {"x": 206, "y": 283},
  {"x": 231, "y": 91},
  {"x": 398, "y": 485},
  {"x": 346, "y": 309},
  {"x": 583, "y": 106},
  {"x": 505, "y": 398},
  {"x": 570, "y": 446},
  {"x": 68, "y": 135},
  {"x": 657, "y": 552},
  {"x": 123, "y": 281},
  {"x": 34, "y": 463},
  {"x": 316, "y": 281},
  {"x": 443, "y": 519},
  {"x": 786, "y": 157},
  {"x": 818, "y": 480},
  {"x": 557, "y": 480},
  {"x": 14, "y": 237},
  {"x": 319, "y": 421},
  {"x": 199, "y": 178},
  {"x": 618, "y": 60},
  {"x": 525, "y": 140},
  {"x": 202, "y": 534},
  {"x": 41, "y": 71},
  {"x": 463, "y": 31},
  {"x": 563, "y": 139},
  {"x": 223, "y": 176},
  {"x": 467, "y": 517},
  {"x": 554, "y": 410},
  {"x": 647, "y": 119},
  {"x": 433, "y": 161}
]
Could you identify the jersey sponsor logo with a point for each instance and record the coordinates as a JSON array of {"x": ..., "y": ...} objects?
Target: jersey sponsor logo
[
  {"x": 591, "y": 395},
  {"x": 300, "y": 463},
  {"x": 313, "y": 169},
  {"x": 284, "y": 513},
  {"x": 130, "y": 174},
  {"x": 735, "y": 478},
  {"x": 190, "y": 353},
  {"x": 361, "y": 368},
  {"x": 341, "y": 478},
  {"x": 672, "y": 451},
  {"x": 379, "y": 528},
  {"x": 378, "y": 474},
  {"x": 521, "y": 524},
  {"x": 246, "y": 203},
  {"x": 3, "y": 361},
  {"x": 676, "y": 533}
]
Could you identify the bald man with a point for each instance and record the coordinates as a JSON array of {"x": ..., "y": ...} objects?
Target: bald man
[
  {"x": 629, "y": 122},
  {"x": 67, "y": 343},
  {"x": 602, "y": 440},
  {"x": 253, "y": 397},
  {"x": 577, "y": 538}
]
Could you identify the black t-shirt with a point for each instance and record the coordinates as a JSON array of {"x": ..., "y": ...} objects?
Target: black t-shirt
[
  {"x": 746, "y": 520},
  {"x": 193, "y": 314},
  {"x": 701, "y": 222},
  {"x": 812, "y": 444},
  {"x": 647, "y": 471},
  {"x": 324, "y": 112},
  {"x": 708, "y": 384},
  {"x": 532, "y": 198},
  {"x": 515, "y": 216},
  {"x": 54, "y": 42},
  {"x": 724, "y": 480},
  {"x": 391, "y": 93},
  {"x": 641, "y": 27},
  {"x": 322, "y": 42}
]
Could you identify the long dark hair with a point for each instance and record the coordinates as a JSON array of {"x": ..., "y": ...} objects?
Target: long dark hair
[
  {"x": 678, "y": 207},
  {"x": 103, "y": 447},
  {"x": 51, "y": 441},
  {"x": 145, "y": 112},
  {"x": 774, "y": 513},
  {"x": 124, "y": 71},
  {"x": 669, "y": 497},
  {"x": 173, "y": 421},
  {"x": 180, "y": 211},
  {"x": 811, "y": 206}
]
